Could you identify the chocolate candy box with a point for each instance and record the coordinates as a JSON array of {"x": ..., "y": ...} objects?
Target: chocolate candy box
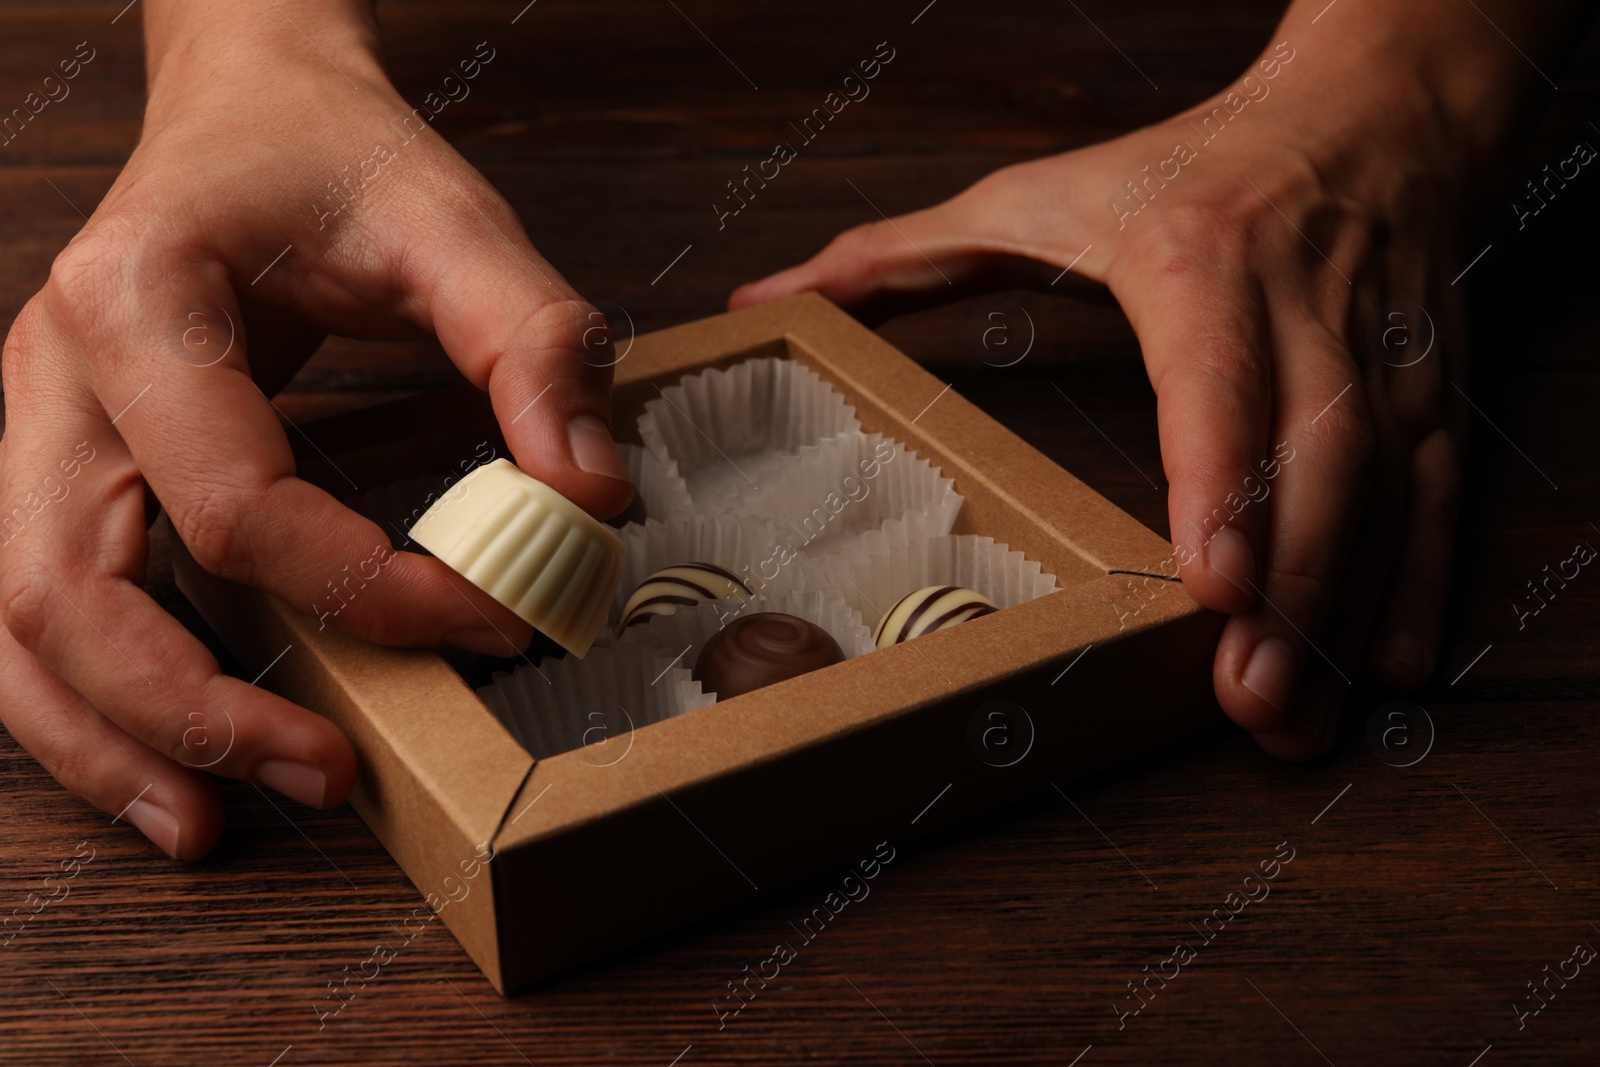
[{"x": 605, "y": 844}]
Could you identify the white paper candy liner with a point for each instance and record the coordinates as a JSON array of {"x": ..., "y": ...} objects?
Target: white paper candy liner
[
  {"x": 848, "y": 485},
  {"x": 657, "y": 484},
  {"x": 723, "y": 426},
  {"x": 745, "y": 546},
  {"x": 592, "y": 702},
  {"x": 685, "y": 632},
  {"x": 872, "y": 583},
  {"x": 827, "y": 565}
]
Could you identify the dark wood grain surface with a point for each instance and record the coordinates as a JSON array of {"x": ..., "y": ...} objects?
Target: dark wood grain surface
[{"x": 1420, "y": 901}]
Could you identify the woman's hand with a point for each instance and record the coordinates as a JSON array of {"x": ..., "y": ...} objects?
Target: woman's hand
[
  {"x": 281, "y": 190},
  {"x": 1286, "y": 254}
]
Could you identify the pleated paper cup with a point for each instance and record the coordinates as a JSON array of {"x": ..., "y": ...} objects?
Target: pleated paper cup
[
  {"x": 851, "y": 484},
  {"x": 659, "y": 491},
  {"x": 872, "y": 582},
  {"x": 685, "y": 632},
  {"x": 592, "y": 703},
  {"x": 724, "y": 428}
]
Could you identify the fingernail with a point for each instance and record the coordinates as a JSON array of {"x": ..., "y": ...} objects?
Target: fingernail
[
  {"x": 593, "y": 448},
  {"x": 1404, "y": 648},
  {"x": 1270, "y": 672},
  {"x": 489, "y": 641},
  {"x": 1230, "y": 555},
  {"x": 156, "y": 823},
  {"x": 296, "y": 780}
]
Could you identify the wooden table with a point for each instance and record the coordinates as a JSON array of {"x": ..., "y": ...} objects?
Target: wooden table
[{"x": 1421, "y": 899}]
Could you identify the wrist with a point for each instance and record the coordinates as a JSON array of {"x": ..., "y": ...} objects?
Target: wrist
[
  {"x": 1423, "y": 95},
  {"x": 1375, "y": 125},
  {"x": 193, "y": 45}
]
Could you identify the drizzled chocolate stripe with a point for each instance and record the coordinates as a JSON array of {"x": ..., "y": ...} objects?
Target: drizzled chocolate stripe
[
  {"x": 679, "y": 580},
  {"x": 962, "y": 613},
  {"x": 640, "y": 612},
  {"x": 729, "y": 575},
  {"x": 932, "y": 608},
  {"x": 684, "y": 585},
  {"x": 930, "y": 597}
]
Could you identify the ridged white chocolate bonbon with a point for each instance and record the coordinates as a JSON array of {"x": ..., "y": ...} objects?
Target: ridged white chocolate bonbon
[
  {"x": 685, "y": 585},
  {"x": 530, "y": 548},
  {"x": 931, "y": 608}
]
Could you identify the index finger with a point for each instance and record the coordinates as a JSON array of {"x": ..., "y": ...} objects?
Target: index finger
[{"x": 209, "y": 444}]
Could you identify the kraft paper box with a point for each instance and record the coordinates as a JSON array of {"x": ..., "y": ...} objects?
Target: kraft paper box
[{"x": 747, "y": 795}]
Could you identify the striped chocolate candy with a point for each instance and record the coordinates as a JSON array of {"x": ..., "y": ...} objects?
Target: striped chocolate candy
[
  {"x": 687, "y": 584},
  {"x": 932, "y": 608}
]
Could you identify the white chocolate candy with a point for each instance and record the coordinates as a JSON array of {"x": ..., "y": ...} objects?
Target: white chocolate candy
[
  {"x": 931, "y": 608},
  {"x": 530, "y": 548},
  {"x": 685, "y": 585}
]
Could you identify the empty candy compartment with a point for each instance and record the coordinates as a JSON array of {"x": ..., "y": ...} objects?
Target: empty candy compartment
[
  {"x": 726, "y": 428},
  {"x": 845, "y": 486}
]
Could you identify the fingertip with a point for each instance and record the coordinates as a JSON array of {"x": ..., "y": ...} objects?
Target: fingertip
[
  {"x": 566, "y": 442},
  {"x": 1230, "y": 557},
  {"x": 748, "y": 295},
  {"x": 302, "y": 756},
  {"x": 605, "y": 488},
  {"x": 1255, "y": 681},
  {"x": 1269, "y": 673},
  {"x": 182, "y": 817},
  {"x": 772, "y": 287}
]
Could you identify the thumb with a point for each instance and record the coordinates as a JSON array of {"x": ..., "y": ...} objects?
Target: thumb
[{"x": 514, "y": 327}]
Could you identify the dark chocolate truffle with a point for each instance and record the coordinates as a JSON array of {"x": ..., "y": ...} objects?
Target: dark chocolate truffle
[{"x": 757, "y": 650}]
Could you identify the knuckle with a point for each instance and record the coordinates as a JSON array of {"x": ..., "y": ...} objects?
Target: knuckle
[
  {"x": 85, "y": 280},
  {"x": 188, "y": 733},
  {"x": 26, "y": 590},
  {"x": 86, "y": 267},
  {"x": 565, "y": 324},
  {"x": 210, "y": 527},
  {"x": 24, "y": 345}
]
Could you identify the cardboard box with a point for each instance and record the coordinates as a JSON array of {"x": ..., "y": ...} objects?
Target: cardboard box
[{"x": 705, "y": 811}]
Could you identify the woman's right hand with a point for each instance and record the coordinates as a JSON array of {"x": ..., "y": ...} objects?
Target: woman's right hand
[{"x": 281, "y": 190}]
